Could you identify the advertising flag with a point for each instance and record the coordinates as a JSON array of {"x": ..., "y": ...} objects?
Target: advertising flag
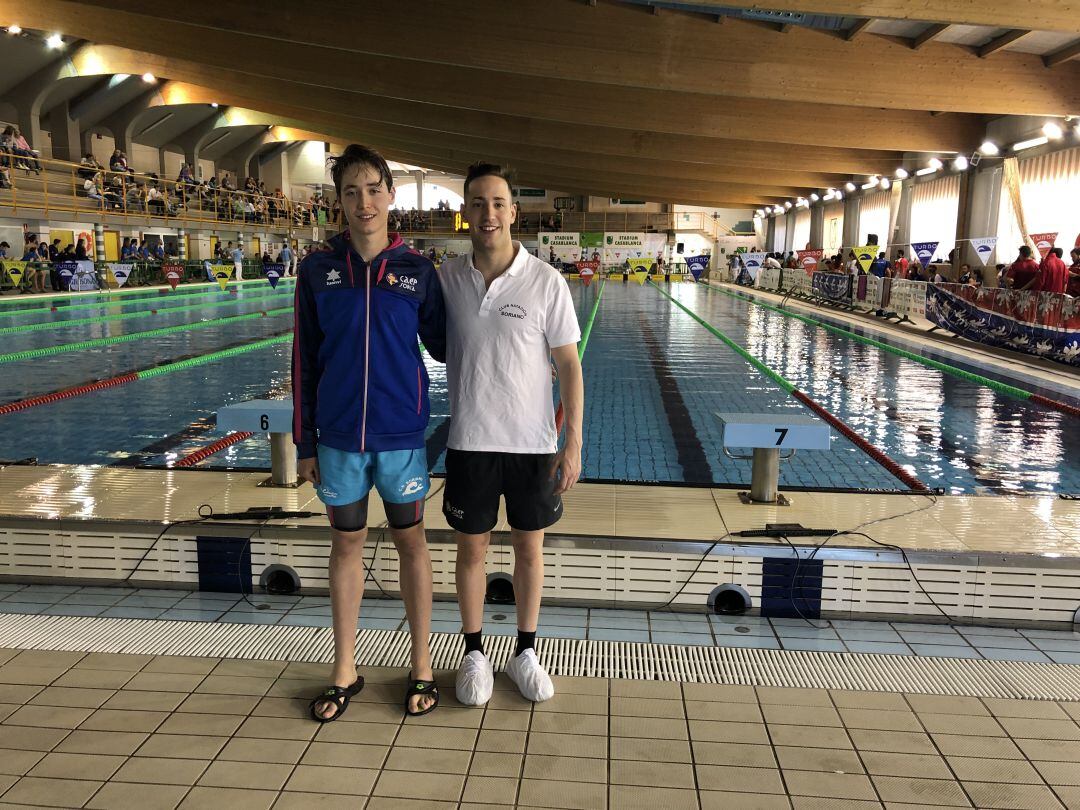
[
  {"x": 592, "y": 243},
  {"x": 924, "y": 252},
  {"x": 1044, "y": 242},
  {"x": 586, "y": 270},
  {"x": 984, "y": 247},
  {"x": 697, "y": 265},
  {"x": 173, "y": 273},
  {"x": 808, "y": 259},
  {"x": 85, "y": 277},
  {"x": 222, "y": 273},
  {"x": 65, "y": 271},
  {"x": 15, "y": 271},
  {"x": 641, "y": 269},
  {"x": 273, "y": 272},
  {"x": 865, "y": 256},
  {"x": 121, "y": 272}
]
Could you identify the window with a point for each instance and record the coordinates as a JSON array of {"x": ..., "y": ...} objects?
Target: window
[
  {"x": 1049, "y": 191},
  {"x": 874, "y": 218},
  {"x": 833, "y": 230},
  {"x": 934, "y": 208}
]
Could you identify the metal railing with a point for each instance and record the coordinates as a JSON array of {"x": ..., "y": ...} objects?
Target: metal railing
[
  {"x": 60, "y": 187},
  {"x": 449, "y": 223}
]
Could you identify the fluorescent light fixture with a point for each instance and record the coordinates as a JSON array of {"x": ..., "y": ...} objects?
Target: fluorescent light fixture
[
  {"x": 54, "y": 41},
  {"x": 901, "y": 174},
  {"x": 1030, "y": 143},
  {"x": 885, "y": 183},
  {"x": 872, "y": 184},
  {"x": 759, "y": 213},
  {"x": 787, "y": 205},
  {"x": 989, "y": 148},
  {"x": 15, "y": 30},
  {"x": 214, "y": 104},
  {"x": 934, "y": 163},
  {"x": 926, "y": 171},
  {"x": 850, "y": 186},
  {"x": 148, "y": 78},
  {"x": 814, "y": 198},
  {"x": 1052, "y": 131},
  {"x": 832, "y": 190},
  {"x": 839, "y": 195},
  {"x": 960, "y": 164}
]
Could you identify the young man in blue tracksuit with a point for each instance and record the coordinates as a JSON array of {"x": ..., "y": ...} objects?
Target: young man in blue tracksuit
[{"x": 360, "y": 408}]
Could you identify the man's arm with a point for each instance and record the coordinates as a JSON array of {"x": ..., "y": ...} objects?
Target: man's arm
[
  {"x": 572, "y": 391},
  {"x": 433, "y": 319},
  {"x": 305, "y": 378}
]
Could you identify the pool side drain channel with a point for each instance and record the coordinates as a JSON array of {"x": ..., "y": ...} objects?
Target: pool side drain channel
[{"x": 566, "y": 657}]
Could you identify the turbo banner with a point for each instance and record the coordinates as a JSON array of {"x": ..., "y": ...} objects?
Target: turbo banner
[
  {"x": 15, "y": 271},
  {"x": 833, "y": 286},
  {"x": 121, "y": 273},
  {"x": 559, "y": 248},
  {"x": 865, "y": 256},
  {"x": 1044, "y": 242},
  {"x": 173, "y": 274},
  {"x": 697, "y": 265},
  {"x": 222, "y": 274},
  {"x": 586, "y": 270},
  {"x": 808, "y": 259},
  {"x": 924, "y": 252},
  {"x": 65, "y": 272},
  {"x": 984, "y": 248},
  {"x": 753, "y": 262},
  {"x": 273, "y": 272}
]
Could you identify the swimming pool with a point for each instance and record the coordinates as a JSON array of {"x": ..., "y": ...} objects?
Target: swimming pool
[{"x": 654, "y": 380}]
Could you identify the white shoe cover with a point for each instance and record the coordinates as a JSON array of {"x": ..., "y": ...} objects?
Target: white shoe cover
[
  {"x": 532, "y": 680},
  {"x": 475, "y": 679}
]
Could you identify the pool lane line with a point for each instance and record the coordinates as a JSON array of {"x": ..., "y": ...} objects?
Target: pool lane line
[
  {"x": 163, "y": 296},
  {"x": 875, "y": 453},
  {"x": 142, "y": 374},
  {"x": 62, "y": 348},
  {"x": 193, "y": 458},
  {"x": 969, "y": 376},
  {"x": 162, "y": 288},
  {"x": 122, "y": 316},
  {"x": 582, "y": 344}
]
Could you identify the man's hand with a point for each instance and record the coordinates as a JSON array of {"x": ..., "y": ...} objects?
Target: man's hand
[
  {"x": 566, "y": 468},
  {"x": 307, "y": 469}
]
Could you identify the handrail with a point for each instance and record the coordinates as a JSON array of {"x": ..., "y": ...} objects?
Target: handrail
[{"x": 443, "y": 222}]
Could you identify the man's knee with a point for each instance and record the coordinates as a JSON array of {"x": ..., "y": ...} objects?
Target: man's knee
[
  {"x": 472, "y": 549},
  {"x": 348, "y": 542}
]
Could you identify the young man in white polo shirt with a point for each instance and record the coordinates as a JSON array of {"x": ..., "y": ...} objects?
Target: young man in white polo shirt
[{"x": 508, "y": 315}]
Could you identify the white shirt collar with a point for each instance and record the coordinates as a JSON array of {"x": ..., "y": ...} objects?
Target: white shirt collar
[{"x": 521, "y": 258}]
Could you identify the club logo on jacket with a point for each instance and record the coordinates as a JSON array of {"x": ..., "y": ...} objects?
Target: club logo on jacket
[{"x": 333, "y": 277}]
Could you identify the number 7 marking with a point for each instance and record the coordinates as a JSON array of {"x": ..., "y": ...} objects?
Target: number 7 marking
[{"x": 783, "y": 434}]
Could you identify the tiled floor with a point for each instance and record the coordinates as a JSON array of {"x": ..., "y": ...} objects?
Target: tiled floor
[
  {"x": 119, "y": 731},
  {"x": 605, "y": 624}
]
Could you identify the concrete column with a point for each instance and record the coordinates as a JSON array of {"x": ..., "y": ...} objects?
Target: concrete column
[
  {"x": 181, "y": 243},
  {"x": 66, "y": 144},
  {"x": 901, "y": 239},
  {"x": 852, "y": 206},
  {"x": 770, "y": 234},
  {"x": 789, "y": 232},
  {"x": 817, "y": 226},
  {"x": 418, "y": 175},
  {"x": 982, "y": 220},
  {"x": 99, "y": 242}
]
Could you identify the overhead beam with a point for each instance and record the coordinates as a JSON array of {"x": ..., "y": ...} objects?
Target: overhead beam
[
  {"x": 857, "y": 28},
  {"x": 1041, "y": 15},
  {"x": 1070, "y": 51},
  {"x": 609, "y": 39},
  {"x": 929, "y": 35},
  {"x": 997, "y": 43}
]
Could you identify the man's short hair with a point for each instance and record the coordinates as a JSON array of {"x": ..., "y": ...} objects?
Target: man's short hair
[
  {"x": 482, "y": 169},
  {"x": 1025, "y": 251},
  {"x": 356, "y": 154},
  {"x": 1059, "y": 252}
]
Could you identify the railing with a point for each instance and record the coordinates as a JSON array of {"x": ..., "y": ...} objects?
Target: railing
[
  {"x": 143, "y": 273},
  {"x": 59, "y": 187},
  {"x": 448, "y": 223}
]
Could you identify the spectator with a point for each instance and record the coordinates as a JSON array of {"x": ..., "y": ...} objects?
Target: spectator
[
  {"x": 900, "y": 266},
  {"x": 237, "y": 257},
  {"x": 772, "y": 262},
  {"x": 4, "y": 248},
  {"x": 88, "y": 166},
  {"x": 53, "y": 251},
  {"x": 286, "y": 258},
  {"x": 127, "y": 250},
  {"x": 80, "y": 250},
  {"x": 965, "y": 273},
  {"x": 266, "y": 257},
  {"x": 118, "y": 162},
  {"x": 1073, "y": 287},
  {"x": 159, "y": 251},
  {"x": 1024, "y": 271},
  {"x": 1053, "y": 274},
  {"x": 143, "y": 252},
  {"x": 22, "y": 149}
]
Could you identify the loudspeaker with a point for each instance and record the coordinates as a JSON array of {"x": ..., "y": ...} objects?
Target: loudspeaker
[
  {"x": 679, "y": 247},
  {"x": 871, "y": 239}
]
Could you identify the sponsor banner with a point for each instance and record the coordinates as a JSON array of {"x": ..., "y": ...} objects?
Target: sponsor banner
[
  {"x": 908, "y": 297},
  {"x": 65, "y": 272},
  {"x": 768, "y": 279},
  {"x": 121, "y": 272},
  {"x": 592, "y": 245},
  {"x": 753, "y": 262},
  {"x": 865, "y": 256},
  {"x": 618, "y": 247},
  {"x": 833, "y": 286},
  {"x": 173, "y": 273},
  {"x": 984, "y": 248},
  {"x": 273, "y": 272},
  {"x": 558, "y": 248},
  {"x": 15, "y": 271},
  {"x": 586, "y": 270},
  {"x": 924, "y": 252},
  {"x": 1042, "y": 324},
  {"x": 222, "y": 274},
  {"x": 84, "y": 278},
  {"x": 1044, "y": 242},
  {"x": 645, "y": 265},
  {"x": 808, "y": 259},
  {"x": 697, "y": 265}
]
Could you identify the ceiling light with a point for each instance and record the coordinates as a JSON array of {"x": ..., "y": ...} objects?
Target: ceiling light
[
  {"x": 872, "y": 184},
  {"x": 814, "y": 198},
  {"x": 839, "y": 195},
  {"x": 214, "y": 104},
  {"x": 960, "y": 163},
  {"x": 901, "y": 174},
  {"x": 787, "y": 205},
  {"x": 885, "y": 183},
  {"x": 926, "y": 171},
  {"x": 850, "y": 186},
  {"x": 759, "y": 213},
  {"x": 148, "y": 78},
  {"x": 989, "y": 148},
  {"x": 54, "y": 41},
  {"x": 1031, "y": 142},
  {"x": 14, "y": 30},
  {"x": 1052, "y": 130},
  {"x": 934, "y": 164}
]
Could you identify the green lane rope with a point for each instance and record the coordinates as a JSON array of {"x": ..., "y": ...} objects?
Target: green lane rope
[
  {"x": 108, "y": 304},
  {"x": 123, "y": 316},
  {"x": 731, "y": 344},
  {"x": 108, "y": 341},
  {"x": 191, "y": 362},
  {"x": 589, "y": 323},
  {"x": 1003, "y": 388}
]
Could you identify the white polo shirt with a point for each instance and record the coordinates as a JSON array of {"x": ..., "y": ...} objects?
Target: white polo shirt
[{"x": 499, "y": 343}]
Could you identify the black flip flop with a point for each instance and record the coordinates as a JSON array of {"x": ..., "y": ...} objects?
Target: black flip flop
[
  {"x": 337, "y": 695},
  {"x": 418, "y": 687}
]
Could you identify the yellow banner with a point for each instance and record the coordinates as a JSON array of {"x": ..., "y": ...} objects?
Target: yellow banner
[
  {"x": 222, "y": 272},
  {"x": 865, "y": 255},
  {"x": 15, "y": 271},
  {"x": 641, "y": 269}
]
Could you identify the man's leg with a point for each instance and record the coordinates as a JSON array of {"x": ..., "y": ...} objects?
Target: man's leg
[
  {"x": 471, "y": 579},
  {"x": 528, "y": 578},
  {"x": 346, "y": 592},
  {"x": 415, "y": 567}
]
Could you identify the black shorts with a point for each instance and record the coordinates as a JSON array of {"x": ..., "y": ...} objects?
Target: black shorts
[{"x": 475, "y": 480}]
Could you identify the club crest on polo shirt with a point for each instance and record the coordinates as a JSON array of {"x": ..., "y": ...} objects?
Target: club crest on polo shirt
[
  {"x": 333, "y": 277},
  {"x": 513, "y": 311}
]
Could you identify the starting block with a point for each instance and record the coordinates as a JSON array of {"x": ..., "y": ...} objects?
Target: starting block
[
  {"x": 767, "y": 435},
  {"x": 273, "y": 416}
]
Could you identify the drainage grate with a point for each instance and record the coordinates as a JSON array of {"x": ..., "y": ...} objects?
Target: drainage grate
[{"x": 568, "y": 657}]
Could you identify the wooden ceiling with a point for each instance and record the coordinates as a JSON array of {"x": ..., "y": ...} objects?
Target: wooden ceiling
[{"x": 609, "y": 99}]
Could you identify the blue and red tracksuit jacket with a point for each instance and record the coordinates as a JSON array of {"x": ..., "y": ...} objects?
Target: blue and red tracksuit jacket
[{"x": 359, "y": 382}]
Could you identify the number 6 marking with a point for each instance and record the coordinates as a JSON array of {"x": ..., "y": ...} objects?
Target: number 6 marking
[
  {"x": 780, "y": 438},
  {"x": 264, "y": 422}
]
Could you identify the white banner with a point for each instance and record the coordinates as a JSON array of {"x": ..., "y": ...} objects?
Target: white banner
[
  {"x": 754, "y": 262},
  {"x": 559, "y": 247},
  {"x": 908, "y": 297},
  {"x": 768, "y": 279},
  {"x": 984, "y": 247},
  {"x": 121, "y": 272}
]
